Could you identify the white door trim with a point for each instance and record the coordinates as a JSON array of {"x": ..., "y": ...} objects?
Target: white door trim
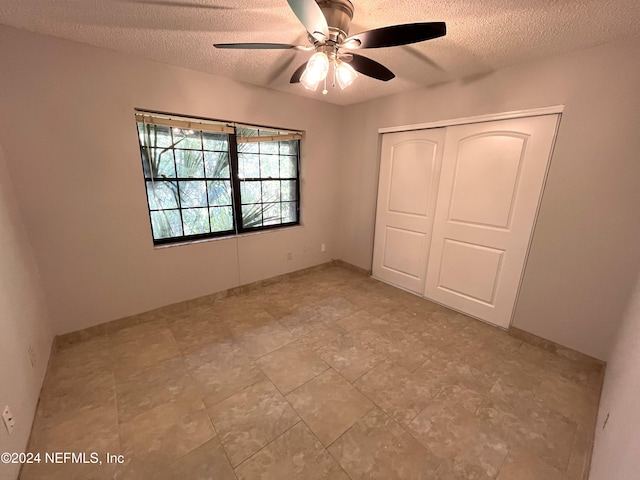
[{"x": 533, "y": 112}]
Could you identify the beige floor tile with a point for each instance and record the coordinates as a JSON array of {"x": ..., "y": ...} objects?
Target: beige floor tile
[
  {"x": 404, "y": 348},
  {"x": 70, "y": 471},
  {"x": 264, "y": 339},
  {"x": 138, "y": 332},
  {"x": 493, "y": 393},
  {"x": 291, "y": 366},
  {"x": 349, "y": 356},
  {"x": 441, "y": 332},
  {"x": 207, "y": 462},
  {"x": 469, "y": 399},
  {"x": 520, "y": 465},
  {"x": 329, "y": 405},
  {"x": 377, "y": 448},
  {"x": 523, "y": 422},
  {"x": 396, "y": 391},
  {"x": 153, "y": 386},
  {"x": 468, "y": 446},
  {"x": 586, "y": 372},
  {"x": 334, "y": 308},
  {"x": 221, "y": 370},
  {"x": 169, "y": 430},
  {"x": 250, "y": 419},
  {"x": 572, "y": 400},
  {"x": 297, "y": 454},
  {"x": 193, "y": 333},
  {"x": 431, "y": 427},
  {"x": 496, "y": 339},
  {"x": 362, "y": 320},
  {"x": 65, "y": 396},
  {"x": 580, "y": 453},
  {"x": 88, "y": 430},
  {"x": 303, "y": 322},
  {"x": 321, "y": 335},
  {"x": 84, "y": 357},
  {"x": 142, "y": 346},
  {"x": 442, "y": 369},
  {"x": 246, "y": 317}
]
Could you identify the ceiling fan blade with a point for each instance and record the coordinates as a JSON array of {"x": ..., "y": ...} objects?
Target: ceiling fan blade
[
  {"x": 369, "y": 67},
  {"x": 256, "y": 46},
  {"x": 397, "y": 35},
  {"x": 295, "y": 78},
  {"x": 311, "y": 16},
  {"x": 280, "y": 70}
]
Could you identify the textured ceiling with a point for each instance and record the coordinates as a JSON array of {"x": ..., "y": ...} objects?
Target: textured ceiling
[{"x": 483, "y": 35}]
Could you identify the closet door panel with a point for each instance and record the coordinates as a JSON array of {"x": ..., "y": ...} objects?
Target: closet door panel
[
  {"x": 409, "y": 175},
  {"x": 490, "y": 188}
]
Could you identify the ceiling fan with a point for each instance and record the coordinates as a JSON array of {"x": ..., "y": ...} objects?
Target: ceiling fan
[{"x": 327, "y": 23}]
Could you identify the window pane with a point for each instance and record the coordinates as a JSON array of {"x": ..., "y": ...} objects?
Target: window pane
[
  {"x": 215, "y": 141},
  {"x": 272, "y": 214},
  {"x": 289, "y": 147},
  {"x": 193, "y": 194},
  {"x": 157, "y": 163},
  {"x": 221, "y": 219},
  {"x": 248, "y": 147},
  {"x": 154, "y": 135},
  {"x": 289, "y": 213},
  {"x": 252, "y": 215},
  {"x": 271, "y": 191},
  {"x": 219, "y": 192},
  {"x": 166, "y": 224},
  {"x": 250, "y": 192},
  {"x": 189, "y": 164},
  {"x": 289, "y": 190},
  {"x": 185, "y": 138},
  {"x": 269, "y": 147},
  {"x": 248, "y": 166},
  {"x": 195, "y": 221},
  {"x": 162, "y": 195},
  {"x": 288, "y": 167},
  {"x": 216, "y": 164},
  {"x": 269, "y": 166}
]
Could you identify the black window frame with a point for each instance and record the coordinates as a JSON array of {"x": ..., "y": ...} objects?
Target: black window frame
[{"x": 235, "y": 180}]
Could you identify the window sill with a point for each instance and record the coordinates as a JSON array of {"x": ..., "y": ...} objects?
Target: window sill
[{"x": 227, "y": 237}]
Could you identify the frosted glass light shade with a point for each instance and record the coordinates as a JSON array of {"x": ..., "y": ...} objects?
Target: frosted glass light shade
[
  {"x": 345, "y": 74},
  {"x": 316, "y": 71},
  {"x": 307, "y": 82}
]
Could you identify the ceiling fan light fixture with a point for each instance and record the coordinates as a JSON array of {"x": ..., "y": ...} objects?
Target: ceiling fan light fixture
[
  {"x": 345, "y": 74},
  {"x": 308, "y": 83},
  {"x": 316, "y": 71}
]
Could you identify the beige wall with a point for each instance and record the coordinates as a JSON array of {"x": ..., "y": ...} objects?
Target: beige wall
[
  {"x": 584, "y": 257},
  {"x": 68, "y": 128},
  {"x": 24, "y": 323},
  {"x": 615, "y": 453}
]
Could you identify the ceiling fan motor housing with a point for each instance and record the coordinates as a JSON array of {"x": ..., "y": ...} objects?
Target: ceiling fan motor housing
[{"x": 339, "y": 14}]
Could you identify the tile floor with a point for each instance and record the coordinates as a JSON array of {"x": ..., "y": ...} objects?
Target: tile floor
[{"x": 329, "y": 375}]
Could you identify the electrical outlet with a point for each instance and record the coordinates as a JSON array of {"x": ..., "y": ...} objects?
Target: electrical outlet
[
  {"x": 323, "y": 247},
  {"x": 32, "y": 357},
  {"x": 289, "y": 255},
  {"x": 8, "y": 419}
]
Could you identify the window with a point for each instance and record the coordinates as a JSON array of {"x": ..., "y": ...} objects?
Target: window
[{"x": 207, "y": 179}]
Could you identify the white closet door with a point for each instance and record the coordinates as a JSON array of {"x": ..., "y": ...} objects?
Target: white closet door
[
  {"x": 490, "y": 188},
  {"x": 409, "y": 175}
]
